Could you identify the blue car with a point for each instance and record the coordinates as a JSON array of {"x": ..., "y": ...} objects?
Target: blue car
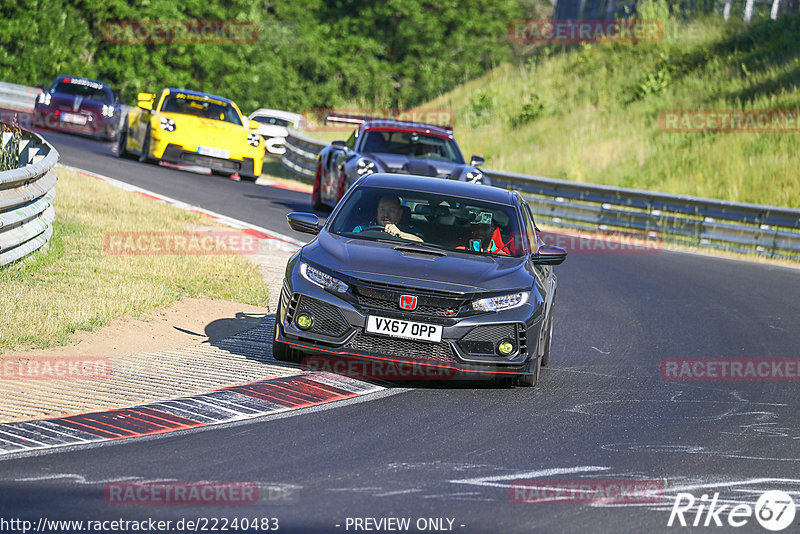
[{"x": 390, "y": 146}]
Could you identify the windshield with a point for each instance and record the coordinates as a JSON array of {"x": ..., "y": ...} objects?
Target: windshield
[
  {"x": 411, "y": 144},
  {"x": 85, "y": 88},
  {"x": 441, "y": 221},
  {"x": 200, "y": 106},
  {"x": 271, "y": 121}
]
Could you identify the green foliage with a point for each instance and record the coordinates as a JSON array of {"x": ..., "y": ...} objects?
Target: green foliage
[
  {"x": 309, "y": 53},
  {"x": 481, "y": 105},
  {"x": 608, "y": 99},
  {"x": 531, "y": 110},
  {"x": 9, "y": 153},
  {"x": 654, "y": 10},
  {"x": 653, "y": 82}
]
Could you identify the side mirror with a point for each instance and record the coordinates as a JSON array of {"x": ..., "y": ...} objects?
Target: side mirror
[
  {"x": 549, "y": 255},
  {"x": 476, "y": 161},
  {"x": 115, "y": 92},
  {"x": 308, "y": 223},
  {"x": 341, "y": 145},
  {"x": 145, "y": 100},
  {"x": 40, "y": 86},
  {"x": 253, "y": 125}
]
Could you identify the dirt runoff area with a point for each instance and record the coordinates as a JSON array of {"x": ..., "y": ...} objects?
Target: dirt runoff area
[{"x": 186, "y": 322}]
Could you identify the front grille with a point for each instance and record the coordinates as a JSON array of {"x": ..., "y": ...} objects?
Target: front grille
[
  {"x": 328, "y": 320},
  {"x": 482, "y": 340},
  {"x": 404, "y": 348},
  {"x": 421, "y": 309},
  {"x": 431, "y": 305},
  {"x": 405, "y": 289}
]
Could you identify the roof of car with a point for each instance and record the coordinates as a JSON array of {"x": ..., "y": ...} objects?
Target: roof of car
[
  {"x": 438, "y": 185},
  {"x": 198, "y": 93},
  {"x": 406, "y": 126}
]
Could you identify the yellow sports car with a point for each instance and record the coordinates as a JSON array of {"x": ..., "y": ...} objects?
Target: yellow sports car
[{"x": 188, "y": 127}]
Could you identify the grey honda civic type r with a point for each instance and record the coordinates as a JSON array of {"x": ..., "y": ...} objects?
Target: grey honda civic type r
[{"x": 447, "y": 278}]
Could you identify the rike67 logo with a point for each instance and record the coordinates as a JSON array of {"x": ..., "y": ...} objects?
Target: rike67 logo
[{"x": 774, "y": 510}]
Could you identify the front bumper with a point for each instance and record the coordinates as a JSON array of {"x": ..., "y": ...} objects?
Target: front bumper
[
  {"x": 467, "y": 349},
  {"x": 95, "y": 125}
]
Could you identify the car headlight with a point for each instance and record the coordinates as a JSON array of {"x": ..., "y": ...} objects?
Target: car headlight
[
  {"x": 108, "y": 111},
  {"x": 167, "y": 124},
  {"x": 253, "y": 139},
  {"x": 503, "y": 302},
  {"x": 325, "y": 281},
  {"x": 474, "y": 176},
  {"x": 365, "y": 167}
]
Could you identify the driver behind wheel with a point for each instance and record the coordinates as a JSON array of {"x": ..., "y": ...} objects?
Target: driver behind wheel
[{"x": 388, "y": 217}]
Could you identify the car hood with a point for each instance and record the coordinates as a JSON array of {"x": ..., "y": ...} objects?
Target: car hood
[
  {"x": 418, "y": 166},
  {"x": 212, "y": 131},
  {"x": 380, "y": 262}
]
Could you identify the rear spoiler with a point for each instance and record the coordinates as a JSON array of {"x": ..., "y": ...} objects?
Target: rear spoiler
[{"x": 361, "y": 119}]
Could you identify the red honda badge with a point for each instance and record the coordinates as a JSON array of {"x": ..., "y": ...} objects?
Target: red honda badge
[{"x": 408, "y": 302}]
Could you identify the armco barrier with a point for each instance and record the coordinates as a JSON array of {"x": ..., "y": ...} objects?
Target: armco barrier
[
  {"x": 748, "y": 228},
  {"x": 26, "y": 194},
  {"x": 18, "y": 97}
]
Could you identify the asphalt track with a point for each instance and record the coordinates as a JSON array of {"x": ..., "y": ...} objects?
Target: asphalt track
[{"x": 601, "y": 411}]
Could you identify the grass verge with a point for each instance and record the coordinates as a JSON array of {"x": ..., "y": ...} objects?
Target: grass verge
[{"x": 75, "y": 285}]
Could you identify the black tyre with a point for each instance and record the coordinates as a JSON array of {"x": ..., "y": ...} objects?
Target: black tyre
[
  {"x": 548, "y": 341},
  {"x": 122, "y": 141},
  {"x": 530, "y": 380},
  {"x": 316, "y": 200},
  {"x": 283, "y": 352}
]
